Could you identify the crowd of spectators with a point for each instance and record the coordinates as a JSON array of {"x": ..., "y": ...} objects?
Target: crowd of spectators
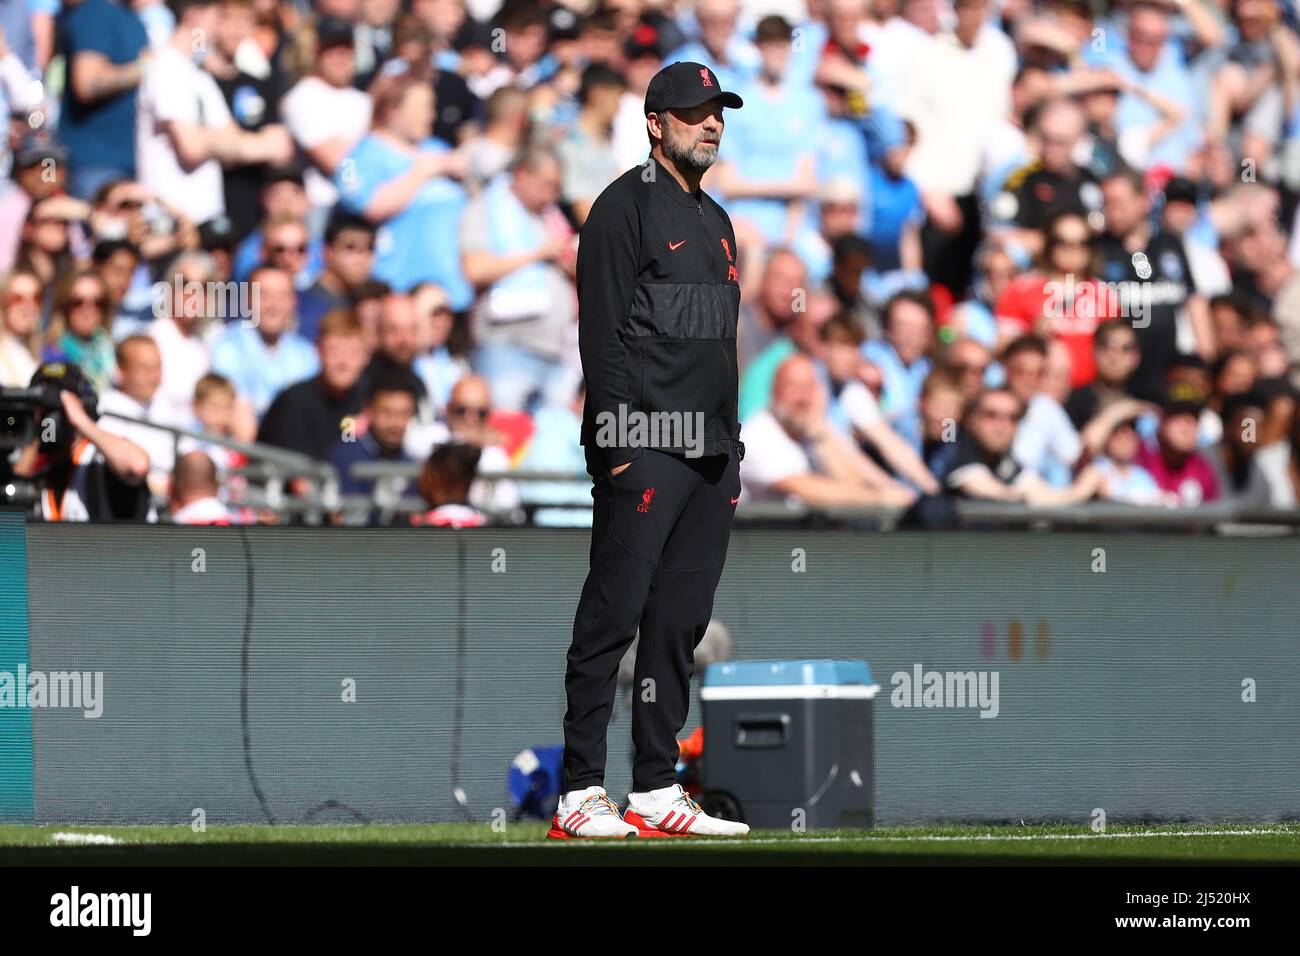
[{"x": 1041, "y": 251}]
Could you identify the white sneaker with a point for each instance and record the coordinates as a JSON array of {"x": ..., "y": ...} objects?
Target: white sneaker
[
  {"x": 589, "y": 813},
  {"x": 671, "y": 812}
]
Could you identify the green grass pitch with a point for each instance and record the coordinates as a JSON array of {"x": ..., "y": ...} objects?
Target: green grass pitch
[{"x": 524, "y": 843}]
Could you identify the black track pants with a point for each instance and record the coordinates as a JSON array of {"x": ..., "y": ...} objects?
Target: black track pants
[{"x": 658, "y": 542}]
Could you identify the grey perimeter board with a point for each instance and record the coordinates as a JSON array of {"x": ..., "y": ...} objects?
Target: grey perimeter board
[{"x": 1164, "y": 687}]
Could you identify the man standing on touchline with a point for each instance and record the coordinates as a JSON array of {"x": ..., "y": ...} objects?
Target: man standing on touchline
[{"x": 658, "y": 300}]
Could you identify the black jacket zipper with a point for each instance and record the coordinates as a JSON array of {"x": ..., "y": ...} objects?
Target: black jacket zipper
[{"x": 721, "y": 310}]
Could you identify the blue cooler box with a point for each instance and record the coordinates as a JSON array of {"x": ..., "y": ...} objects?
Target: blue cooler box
[{"x": 783, "y": 736}]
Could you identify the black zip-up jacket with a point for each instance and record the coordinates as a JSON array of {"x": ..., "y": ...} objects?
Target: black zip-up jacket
[{"x": 658, "y": 302}]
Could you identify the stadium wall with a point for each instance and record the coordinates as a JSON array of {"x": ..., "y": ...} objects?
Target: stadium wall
[
  {"x": 227, "y": 656},
  {"x": 16, "y": 803}
]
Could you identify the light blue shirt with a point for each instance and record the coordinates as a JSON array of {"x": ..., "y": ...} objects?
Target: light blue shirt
[
  {"x": 807, "y": 43},
  {"x": 555, "y": 447},
  {"x": 1169, "y": 78},
  {"x": 259, "y": 372},
  {"x": 766, "y": 141},
  {"x": 842, "y": 154},
  {"x": 1136, "y": 485},
  {"x": 743, "y": 62},
  {"x": 440, "y": 372},
  {"x": 16, "y": 21},
  {"x": 1046, "y": 441},
  {"x": 421, "y": 242},
  {"x": 900, "y": 398}
]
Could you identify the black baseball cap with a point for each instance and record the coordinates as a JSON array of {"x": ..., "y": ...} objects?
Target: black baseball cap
[
  {"x": 1180, "y": 189},
  {"x": 290, "y": 172},
  {"x": 1182, "y": 406},
  {"x": 472, "y": 35},
  {"x": 37, "y": 146},
  {"x": 333, "y": 31},
  {"x": 1237, "y": 402},
  {"x": 644, "y": 41},
  {"x": 684, "y": 84}
]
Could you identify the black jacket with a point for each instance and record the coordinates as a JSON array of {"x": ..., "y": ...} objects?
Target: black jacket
[
  {"x": 306, "y": 418},
  {"x": 658, "y": 300}
]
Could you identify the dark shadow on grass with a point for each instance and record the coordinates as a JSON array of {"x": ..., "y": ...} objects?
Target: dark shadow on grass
[{"x": 294, "y": 854}]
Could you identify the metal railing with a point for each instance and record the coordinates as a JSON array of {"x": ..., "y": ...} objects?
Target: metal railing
[{"x": 270, "y": 469}]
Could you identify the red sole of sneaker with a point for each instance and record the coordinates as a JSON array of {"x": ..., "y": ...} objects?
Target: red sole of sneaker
[
  {"x": 645, "y": 830},
  {"x": 555, "y": 833}
]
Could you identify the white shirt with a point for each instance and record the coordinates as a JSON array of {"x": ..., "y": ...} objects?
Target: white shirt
[
  {"x": 315, "y": 112},
  {"x": 16, "y": 363},
  {"x": 175, "y": 89},
  {"x": 771, "y": 455},
  {"x": 1274, "y": 463},
  {"x": 185, "y": 360},
  {"x": 631, "y": 147},
  {"x": 859, "y": 406},
  {"x": 203, "y": 511},
  {"x": 1005, "y": 149},
  {"x": 159, "y": 444},
  {"x": 895, "y": 45},
  {"x": 955, "y": 95},
  {"x": 502, "y": 495}
]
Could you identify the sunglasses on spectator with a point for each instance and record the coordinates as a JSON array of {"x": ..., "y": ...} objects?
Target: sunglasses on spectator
[
  {"x": 470, "y": 411},
  {"x": 284, "y": 247},
  {"x": 128, "y": 205},
  {"x": 82, "y": 300}
]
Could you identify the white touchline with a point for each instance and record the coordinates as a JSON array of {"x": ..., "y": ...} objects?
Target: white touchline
[
  {"x": 90, "y": 839},
  {"x": 928, "y": 838}
]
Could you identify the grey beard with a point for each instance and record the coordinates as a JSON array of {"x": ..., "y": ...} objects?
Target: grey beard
[{"x": 693, "y": 158}]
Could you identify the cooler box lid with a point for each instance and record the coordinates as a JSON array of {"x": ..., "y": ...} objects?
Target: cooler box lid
[{"x": 784, "y": 680}]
